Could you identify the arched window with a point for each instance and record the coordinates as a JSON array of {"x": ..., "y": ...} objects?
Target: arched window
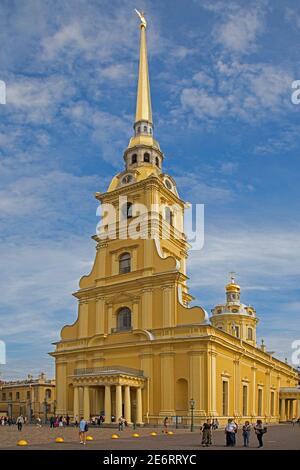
[
  {"x": 145, "y": 128},
  {"x": 150, "y": 130},
  {"x": 157, "y": 161},
  {"x": 139, "y": 129},
  {"x": 147, "y": 157},
  {"x": 169, "y": 215},
  {"x": 124, "y": 263},
  {"x": 127, "y": 210},
  {"x": 134, "y": 158},
  {"x": 124, "y": 319},
  {"x": 250, "y": 334},
  {"x": 236, "y": 330}
]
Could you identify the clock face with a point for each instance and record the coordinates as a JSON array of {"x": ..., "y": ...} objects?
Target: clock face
[
  {"x": 127, "y": 179},
  {"x": 168, "y": 184}
]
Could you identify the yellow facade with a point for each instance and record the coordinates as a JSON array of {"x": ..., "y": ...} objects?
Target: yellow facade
[
  {"x": 30, "y": 397},
  {"x": 137, "y": 349}
]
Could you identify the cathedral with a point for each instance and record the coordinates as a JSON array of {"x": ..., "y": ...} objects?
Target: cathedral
[{"x": 137, "y": 348}]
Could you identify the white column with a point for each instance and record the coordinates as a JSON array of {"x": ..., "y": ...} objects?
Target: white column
[
  {"x": 282, "y": 410},
  {"x": 139, "y": 406},
  {"x": 86, "y": 403},
  {"x": 76, "y": 403},
  {"x": 118, "y": 401},
  {"x": 127, "y": 404},
  {"x": 107, "y": 404}
]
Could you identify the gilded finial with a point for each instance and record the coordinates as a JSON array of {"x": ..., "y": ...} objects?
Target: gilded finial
[{"x": 141, "y": 15}]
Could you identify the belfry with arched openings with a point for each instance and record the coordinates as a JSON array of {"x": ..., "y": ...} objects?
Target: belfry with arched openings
[{"x": 137, "y": 348}]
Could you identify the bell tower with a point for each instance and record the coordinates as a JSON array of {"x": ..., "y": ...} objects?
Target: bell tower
[{"x": 138, "y": 281}]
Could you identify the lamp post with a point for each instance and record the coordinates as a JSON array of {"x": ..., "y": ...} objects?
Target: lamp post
[
  {"x": 192, "y": 405},
  {"x": 45, "y": 410}
]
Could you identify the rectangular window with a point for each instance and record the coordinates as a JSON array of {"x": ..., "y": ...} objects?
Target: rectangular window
[
  {"x": 225, "y": 398},
  {"x": 272, "y": 403},
  {"x": 245, "y": 400},
  {"x": 17, "y": 395},
  {"x": 259, "y": 402},
  {"x": 3, "y": 396},
  {"x": 28, "y": 395}
]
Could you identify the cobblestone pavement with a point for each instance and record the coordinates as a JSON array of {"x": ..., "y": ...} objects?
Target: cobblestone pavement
[{"x": 283, "y": 436}]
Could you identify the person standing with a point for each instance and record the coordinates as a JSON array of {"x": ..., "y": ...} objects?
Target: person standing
[
  {"x": 260, "y": 430},
  {"x": 246, "y": 433},
  {"x": 166, "y": 422},
  {"x": 20, "y": 422},
  {"x": 120, "y": 423},
  {"x": 230, "y": 431},
  {"x": 207, "y": 434},
  {"x": 83, "y": 428}
]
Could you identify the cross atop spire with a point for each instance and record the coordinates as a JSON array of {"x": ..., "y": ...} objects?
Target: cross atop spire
[{"x": 232, "y": 276}]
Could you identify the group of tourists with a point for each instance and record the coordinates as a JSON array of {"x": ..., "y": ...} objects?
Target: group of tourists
[
  {"x": 59, "y": 421},
  {"x": 231, "y": 431}
]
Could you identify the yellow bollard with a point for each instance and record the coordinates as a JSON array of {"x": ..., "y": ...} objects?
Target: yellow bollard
[
  {"x": 22, "y": 443},
  {"x": 89, "y": 438},
  {"x": 59, "y": 440},
  {"x": 170, "y": 433},
  {"x": 135, "y": 435},
  {"x": 115, "y": 436},
  {"x": 153, "y": 434}
]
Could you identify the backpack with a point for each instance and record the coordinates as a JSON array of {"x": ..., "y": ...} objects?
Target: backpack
[{"x": 86, "y": 427}]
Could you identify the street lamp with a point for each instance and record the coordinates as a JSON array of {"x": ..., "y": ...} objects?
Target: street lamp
[{"x": 192, "y": 405}]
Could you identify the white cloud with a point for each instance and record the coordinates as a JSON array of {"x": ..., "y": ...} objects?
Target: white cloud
[
  {"x": 250, "y": 92},
  {"x": 237, "y": 26},
  {"x": 238, "y": 33},
  {"x": 37, "y": 100}
]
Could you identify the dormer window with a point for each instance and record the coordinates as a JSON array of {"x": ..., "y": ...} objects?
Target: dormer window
[
  {"x": 127, "y": 179},
  {"x": 147, "y": 157},
  {"x": 157, "y": 161},
  {"x": 134, "y": 158},
  {"x": 145, "y": 128}
]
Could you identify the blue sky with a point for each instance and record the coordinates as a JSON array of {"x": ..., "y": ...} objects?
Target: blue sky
[{"x": 221, "y": 75}]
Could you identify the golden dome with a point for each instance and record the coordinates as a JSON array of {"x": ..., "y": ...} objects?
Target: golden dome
[{"x": 232, "y": 287}]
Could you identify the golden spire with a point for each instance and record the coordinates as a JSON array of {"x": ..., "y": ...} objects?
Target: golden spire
[
  {"x": 143, "y": 125},
  {"x": 143, "y": 100}
]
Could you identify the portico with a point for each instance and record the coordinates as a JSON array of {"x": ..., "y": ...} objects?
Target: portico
[
  {"x": 110, "y": 391},
  {"x": 289, "y": 403}
]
